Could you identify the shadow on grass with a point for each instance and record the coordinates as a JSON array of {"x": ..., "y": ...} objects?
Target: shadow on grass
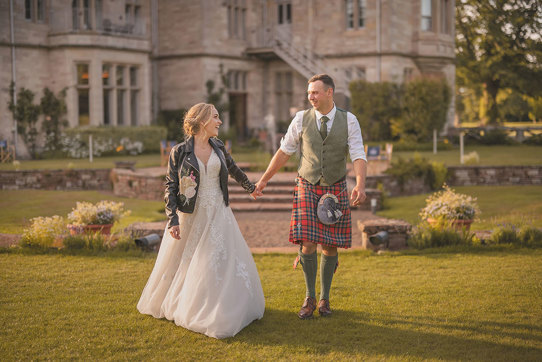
[
  {"x": 440, "y": 252},
  {"x": 348, "y": 332},
  {"x": 131, "y": 253}
]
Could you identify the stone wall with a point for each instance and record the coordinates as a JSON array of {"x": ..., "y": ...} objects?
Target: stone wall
[
  {"x": 495, "y": 175},
  {"x": 150, "y": 185},
  {"x": 90, "y": 179},
  {"x": 393, "y": 188},
  {"x": 127, "y": 183},
  {"x": 463, "y": 176}
]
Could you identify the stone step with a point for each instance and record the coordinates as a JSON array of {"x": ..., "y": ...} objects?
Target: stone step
[
  {"x": 271, "y": 202},
  {"x": 259, "y": 206},
  {"x": 279, "y": 182},
  {"x": 269, "y": 190},
  {"x": 264, "y": 200}
]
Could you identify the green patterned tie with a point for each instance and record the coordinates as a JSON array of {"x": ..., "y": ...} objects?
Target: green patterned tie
[{"x": 323, "y": 127}]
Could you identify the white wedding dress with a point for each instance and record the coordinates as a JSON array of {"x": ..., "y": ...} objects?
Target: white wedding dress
[{"x": 206, "y": 281}]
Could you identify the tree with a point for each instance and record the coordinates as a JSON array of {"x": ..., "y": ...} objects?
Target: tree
[
  {"x": 375, "y": 105},
  {"x": 425, "y": 104},
  {"x": 26, "y": 114},
  {"x": 498, "y": 45},
  {"x": 53, "y": 108}
]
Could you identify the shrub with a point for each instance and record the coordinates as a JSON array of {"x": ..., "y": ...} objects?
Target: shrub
[
  {"x": 434, "y": 174},
  {"x": 428, "y": 236},
  {"x": 449, "y": 205},
  {"x": 74, "y": 242},
  {"x": 440, "y": 175},
  {"x": 471, "y": 158},
  {"x": 44, "y": 231},
  {"x": 172, "y": 120},
  {"x": 112, "y": 140},
  {"x": 495, "y": 137},
  {"x": 93, "y": 241},
  {"x": 54, "y": 109},
  {"x": 122, "y": 242},
  {"x": 524, "y": 236},
  {"x": 505, "y": 234},
  {"x": 534, "y": 140},
  {"x": 384, "y": 202},
  {"x": 103, "y": 212},
  {"x": 404, "y": 145},
  {"x": 530, "y": 236}
]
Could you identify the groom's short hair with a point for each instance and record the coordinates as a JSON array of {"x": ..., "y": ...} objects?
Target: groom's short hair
[{"x": 326, "y": 79}]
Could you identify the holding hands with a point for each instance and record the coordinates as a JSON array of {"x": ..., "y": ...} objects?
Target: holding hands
[{"x": 260, "y": 185}]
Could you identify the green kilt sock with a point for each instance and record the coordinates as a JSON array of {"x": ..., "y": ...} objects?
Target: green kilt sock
[
  {"x": 310, "y": 266},
  {"x": 327, "y": 269}
]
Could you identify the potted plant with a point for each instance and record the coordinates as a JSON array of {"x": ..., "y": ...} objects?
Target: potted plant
[
  {"x": 447, "y": 206},
  {"x": 100, "y": 217}
]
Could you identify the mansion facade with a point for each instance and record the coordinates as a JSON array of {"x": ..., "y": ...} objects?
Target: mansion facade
[{"x": 122, "y": 61}]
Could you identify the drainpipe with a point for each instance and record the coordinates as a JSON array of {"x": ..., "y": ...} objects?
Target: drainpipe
[
  {"x": 154, "y": 62},
  {"x": 379, "y": 38},
  {"x": 13, "y": 75}
]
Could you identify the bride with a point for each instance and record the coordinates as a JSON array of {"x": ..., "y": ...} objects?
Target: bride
[{"x": 204, "y": 278}]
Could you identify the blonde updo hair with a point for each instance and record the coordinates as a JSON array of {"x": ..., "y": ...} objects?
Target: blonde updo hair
[{"x": 197, "y": 118}]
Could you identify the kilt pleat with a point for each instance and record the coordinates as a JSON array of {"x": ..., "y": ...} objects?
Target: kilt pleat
[{"x": 304, "y": 224}]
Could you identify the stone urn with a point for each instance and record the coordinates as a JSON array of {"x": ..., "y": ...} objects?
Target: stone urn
[{"x": 458, "y": 224}]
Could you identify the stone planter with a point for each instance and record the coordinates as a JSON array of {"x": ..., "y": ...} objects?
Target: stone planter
[
  {"x": 456, "y": 224},
  {"x": 90, "y": 229}
]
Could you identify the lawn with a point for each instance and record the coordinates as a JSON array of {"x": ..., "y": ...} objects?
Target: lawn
[
  {"x": 498, "y": 204},
  {"x": 19, "y": 206},
  {"x": 150, "y": 160},
  {"x": 431, "y": 305},
  {"x": 489, "y": 155}
]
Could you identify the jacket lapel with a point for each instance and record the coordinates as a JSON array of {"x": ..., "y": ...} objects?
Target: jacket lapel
[
  {"x": 190, "y": 155},
  {"x": 219, "y": 153}
]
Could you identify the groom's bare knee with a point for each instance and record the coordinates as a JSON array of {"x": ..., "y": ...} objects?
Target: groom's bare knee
[
  {"x": 308, "y": 247},
  {"x": 329, "y": 250}
]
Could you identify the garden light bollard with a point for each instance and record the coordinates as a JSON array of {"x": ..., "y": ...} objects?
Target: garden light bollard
[
  {"x": 374, "y": 202},
  {"x": 90, "y": 148},
  {"x": 434, "y": 141},
  {"x": 461, "y": 147}
]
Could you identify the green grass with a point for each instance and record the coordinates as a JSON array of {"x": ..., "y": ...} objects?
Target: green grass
[
  {"x": 498, "y": 204},
  {"x": 149, "y": 160},
  {"x": 489, "y": 155},
  {"x": 432, "y": 305},
  {"x": 19, "y": 206}
]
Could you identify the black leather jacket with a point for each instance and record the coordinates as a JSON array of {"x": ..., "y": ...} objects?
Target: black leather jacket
[{"x": 183, "y": 165}]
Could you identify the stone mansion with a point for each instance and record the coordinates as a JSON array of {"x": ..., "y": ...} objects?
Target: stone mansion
[{"x": 122, "y": 61}]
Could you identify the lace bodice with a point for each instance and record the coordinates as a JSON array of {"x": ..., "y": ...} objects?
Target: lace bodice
[{"x": 209, "y": 177}]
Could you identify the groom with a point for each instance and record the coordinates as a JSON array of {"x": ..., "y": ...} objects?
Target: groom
[{"x": 325, "y": 134}]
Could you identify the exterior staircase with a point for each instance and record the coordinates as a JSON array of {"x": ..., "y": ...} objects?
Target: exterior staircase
[
  {"x": 278, "y": 195},
  {"x": 302, "y": 59}
]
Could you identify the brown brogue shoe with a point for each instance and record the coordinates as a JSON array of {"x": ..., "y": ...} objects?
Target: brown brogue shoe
[
  {"x": 323, "y": 308},
  {"x": 309, "y": 305}
]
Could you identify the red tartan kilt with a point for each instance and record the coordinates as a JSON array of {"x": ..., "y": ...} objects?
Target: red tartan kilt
[{"x": 304, "y": 224}]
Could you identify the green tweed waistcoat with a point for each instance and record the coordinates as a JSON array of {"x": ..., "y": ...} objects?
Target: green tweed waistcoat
[{"x": 323, "y": 160}]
